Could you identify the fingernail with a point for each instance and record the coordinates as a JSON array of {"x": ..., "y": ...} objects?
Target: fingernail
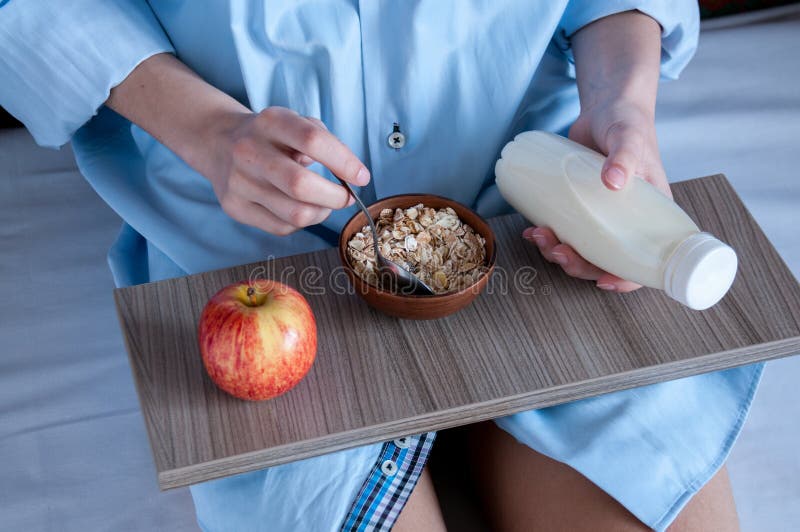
[
  {"x": 615, "y": 177},
  {"x": 362, "y": 178},
  {"x": 607, "y": 286},
  {"x": 560, "y": 258},
  {"x": 531, "y": 235}
]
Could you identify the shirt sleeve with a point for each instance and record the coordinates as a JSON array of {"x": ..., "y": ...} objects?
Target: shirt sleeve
[
  {"x": 60, "y": 60},
  {"x": 679, "y": 20}
]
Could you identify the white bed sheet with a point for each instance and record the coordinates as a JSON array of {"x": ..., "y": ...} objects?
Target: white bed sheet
[{"x": 73, "y": 449}]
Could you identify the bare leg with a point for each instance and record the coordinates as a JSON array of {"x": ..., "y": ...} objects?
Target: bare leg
[
  {"x": 524, "y": 490},
  {"x": 422, "y": 511},
  {"x": 712, "y": 508}
]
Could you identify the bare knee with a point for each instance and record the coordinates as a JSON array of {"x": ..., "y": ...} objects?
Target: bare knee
[{"x": 525, "y": 490}]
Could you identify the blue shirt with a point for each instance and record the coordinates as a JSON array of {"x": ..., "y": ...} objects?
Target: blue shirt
[{"x": 460, "y": 78}]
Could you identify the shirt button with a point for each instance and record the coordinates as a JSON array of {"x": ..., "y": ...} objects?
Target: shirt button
[
  {"x": 396, "y": 139},
  {"x": 402, "y": 442},
  {"x": 389, "y": 468}
]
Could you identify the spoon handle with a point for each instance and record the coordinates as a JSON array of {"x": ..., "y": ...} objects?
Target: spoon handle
[{"x": 366, "y": 213}]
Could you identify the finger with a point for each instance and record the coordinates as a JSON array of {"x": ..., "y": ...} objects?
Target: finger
[
  {"x": 612, "y": 283},
  {"x": 548, "y": 244},
  {"x": 304, "y": 185},
  {"x": 257, "y": 216},
  {"x": 317, "y": 122},
  {"x": 268, "y": 164},
  {"x": 550, "y": 247},
  {"x": 291, "y": 211},
  {"x": 302, "y": 158},
  {"x": 625, "y": 146},
  {"x": 543, "y": 238},
  {"x": 318, "y": 143},
  {"x": 546, "y": 240},
  {"x": 656, "y": 176},
  {"x": 574, "y": 265}
]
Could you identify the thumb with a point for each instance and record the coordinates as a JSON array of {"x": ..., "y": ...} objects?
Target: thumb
[{"x": 625, "y": 146}]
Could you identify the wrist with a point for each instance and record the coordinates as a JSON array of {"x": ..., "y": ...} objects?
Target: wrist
[
  {"x": 209, "y": 149},
  {"x": 618, "y": 59},
  {"x": 192, "y": 118},
  {"x": 640, "y": 99}
]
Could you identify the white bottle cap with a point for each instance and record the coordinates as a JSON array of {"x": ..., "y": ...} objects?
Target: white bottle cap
[{"x": 700, "y": 271}]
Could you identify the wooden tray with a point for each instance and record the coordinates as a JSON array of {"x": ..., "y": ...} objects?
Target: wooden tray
[{"x": 536, "y": 338}]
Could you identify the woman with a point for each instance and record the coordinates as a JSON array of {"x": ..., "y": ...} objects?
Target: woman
[{"x": 231, "y": 120}]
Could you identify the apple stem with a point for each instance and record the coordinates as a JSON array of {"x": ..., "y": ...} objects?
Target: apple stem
[{"x": 251, "y": 295}]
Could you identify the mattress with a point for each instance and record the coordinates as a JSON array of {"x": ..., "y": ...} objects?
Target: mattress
[{"x": 74, "y": 451}]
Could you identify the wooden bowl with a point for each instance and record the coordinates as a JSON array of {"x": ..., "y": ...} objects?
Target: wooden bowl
[{"x": 415, "y": 307}]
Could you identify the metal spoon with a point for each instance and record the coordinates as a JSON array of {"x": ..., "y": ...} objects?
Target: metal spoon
[{"x": 402, "y": 280}]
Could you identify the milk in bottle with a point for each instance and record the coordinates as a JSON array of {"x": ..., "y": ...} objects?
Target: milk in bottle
[{"x": 636, "y": 233}]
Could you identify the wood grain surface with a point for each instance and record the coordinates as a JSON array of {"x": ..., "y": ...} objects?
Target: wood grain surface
[{"x": 535, "y": 338}]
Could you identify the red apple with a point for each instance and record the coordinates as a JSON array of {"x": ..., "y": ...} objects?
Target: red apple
[{"x": 258, "y": 338}]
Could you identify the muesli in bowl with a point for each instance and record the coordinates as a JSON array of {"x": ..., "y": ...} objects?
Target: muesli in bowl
[
  {"x": 433, "y": 244},
  {"x": 444, "y": 242}
]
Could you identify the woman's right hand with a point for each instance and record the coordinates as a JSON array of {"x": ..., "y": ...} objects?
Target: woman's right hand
[
  {"x": 262, "y": 180},
  {"x": 256, "y": 162}
]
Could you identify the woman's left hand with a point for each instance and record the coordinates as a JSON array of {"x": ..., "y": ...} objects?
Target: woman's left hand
[{"x": 626, "y": 133}]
